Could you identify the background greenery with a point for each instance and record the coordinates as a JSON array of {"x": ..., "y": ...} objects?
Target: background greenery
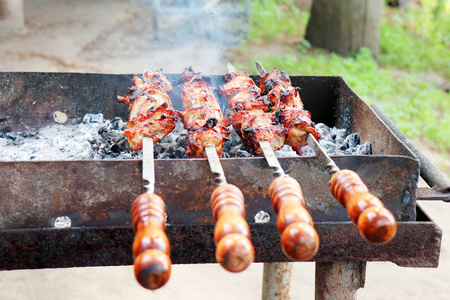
[{"x": 406, "y": 80}]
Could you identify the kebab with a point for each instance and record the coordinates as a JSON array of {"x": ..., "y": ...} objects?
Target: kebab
[
  {"x": 207, "y": 132},
  {"x": 255, "y": 125},
  {"x": 151, "y": 111},
  {"x": 151, "y": 118},
  {"x": 375, "y": 223}
]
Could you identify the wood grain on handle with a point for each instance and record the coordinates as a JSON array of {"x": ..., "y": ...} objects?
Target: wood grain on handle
[
  {"x": 234, "y": 249},
  {"x": 375, "y": 223},
  {"x": 299, "y": 239},
  {"x": 151, "y": 248}
]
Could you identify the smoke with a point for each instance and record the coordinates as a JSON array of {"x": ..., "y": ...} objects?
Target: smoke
[{"x": 197, "y": 34}]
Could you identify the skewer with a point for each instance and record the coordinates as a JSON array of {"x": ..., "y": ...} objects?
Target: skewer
[
  {"x": 375, "y": 223},
  {"x": 299, "y": 240},
  {"x": 151, "y": 118},
  {"x": 234, "y": 250},
  {"x": 151, "y": 248}
]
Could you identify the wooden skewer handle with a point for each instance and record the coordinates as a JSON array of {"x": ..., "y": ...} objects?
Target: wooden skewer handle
[
  {"x": 151, "y": 247},
  {"x": 299, "y": 239},
  {"x": 234, "y": 249},
  {"x": 375, "y": 223}
]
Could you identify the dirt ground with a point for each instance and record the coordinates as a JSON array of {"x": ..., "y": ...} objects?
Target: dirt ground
[{"x": 117, "y": 37}]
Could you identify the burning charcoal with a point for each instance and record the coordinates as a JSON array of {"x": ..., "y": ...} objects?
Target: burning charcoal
[
  {"x": 330, "y": 147},
  {"x": 233, "y": 151},
  {"x": 28, "y": 134},
  {"x": 285, "y": 151},
  {"x": 352, "y": 140},
  {"x": 180, "y": 152},
  {"x": 338, "y": 135},
  {"x": 307, "y": 151},
  {"x": 364, "y": 149},
  {"x": 93, "y": 118},
  {"x": 12, "y": 135},
  {"x": 323, "y": 129},
  {"x": 117, "y": 124},
  {"x": 243, "y": 153},
  {"x": 98, "y": 156}
]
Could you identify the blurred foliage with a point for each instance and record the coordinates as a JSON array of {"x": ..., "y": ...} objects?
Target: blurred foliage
[
  {"x": 272, "y": 20},
  {"x": 417, "y": 40},
  {"x": 394, "y": 81}
]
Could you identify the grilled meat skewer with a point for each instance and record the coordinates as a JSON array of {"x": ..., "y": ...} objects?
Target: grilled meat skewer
[
  {"x": 151, "y": 118},
  {"x": 253, "y": 117},
  {"x": 375, "y": 223},
  {"x": 296, "y": 121},
  {"x": 151, "y": 111},
  {"x": 299, "y": 240},
  {"x": 202, "y": 116},
  {"x": 206, "y": 136}
]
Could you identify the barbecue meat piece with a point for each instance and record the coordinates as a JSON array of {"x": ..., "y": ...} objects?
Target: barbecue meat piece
[
  {"x": 279, "y": 90},
  {"x": 236, "y": 81},
  {"x": 202, "y": 116},
  {"x": 298, "y": 124},
  {"x": 256, "y": 128},
  {"x": 150, "y": 81},
  {"x": 248, "y": 98},
  {"x": 151, "y": 111},
  {"x": 156, "y": 123},
  {"x": 206, "y": 136},
  {"x": 253, "y": 115},
  {"x": 296, "y": 121},
  {"x": 242, "y": 93},
  {"x": 268, "y": 80},
  {"x": 143, "y": 104},
  {"x": 196, "y": 118}
]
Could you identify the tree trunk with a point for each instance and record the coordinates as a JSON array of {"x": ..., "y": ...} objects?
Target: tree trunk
[
  {"x": 345, "y": 26},
  {"x": 12, "y": 18}
]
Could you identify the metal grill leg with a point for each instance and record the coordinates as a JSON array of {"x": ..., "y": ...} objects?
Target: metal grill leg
[
  {"x": 339, "y": 280},
  {"x": 276, "y": 281}
]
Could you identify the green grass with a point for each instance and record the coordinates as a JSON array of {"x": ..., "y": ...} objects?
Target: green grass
[
  {"x": 393, "y": 80},
  {"x": 416, "y": 40},
  {"x": 272, "y": 20}
]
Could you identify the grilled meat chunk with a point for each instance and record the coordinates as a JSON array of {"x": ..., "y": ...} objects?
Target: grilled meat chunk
[
  {"x": 151, "y": 111},
  {"x": 296, "y": 121},
  {"x": 235, "y": 82},
  {"x": 202, "y": 115},
  {"x": 256, "y": 128},
  {"x": 298, "y": 124},
  {"x": 253, "y": 118}
]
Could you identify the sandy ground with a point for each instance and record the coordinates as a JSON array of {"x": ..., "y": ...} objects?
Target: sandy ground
[{"x": 117, "y": 37}]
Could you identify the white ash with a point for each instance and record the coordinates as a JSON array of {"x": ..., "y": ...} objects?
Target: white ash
[{"x": 99, "y": 138}]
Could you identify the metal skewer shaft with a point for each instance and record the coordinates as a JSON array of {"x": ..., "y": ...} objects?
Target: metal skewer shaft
[
  {"x": 151, "y": 248},
  {"x": 329, "y": 164},
  {"x": 215, "y": 165},
  {"x": 148, "y": 165},
  {"x": 271, "y": 159}
]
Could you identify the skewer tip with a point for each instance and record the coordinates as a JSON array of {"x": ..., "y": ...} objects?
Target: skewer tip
[
  {"x": 230, "y": 67},
  {"x": 260, "y": 68}
]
